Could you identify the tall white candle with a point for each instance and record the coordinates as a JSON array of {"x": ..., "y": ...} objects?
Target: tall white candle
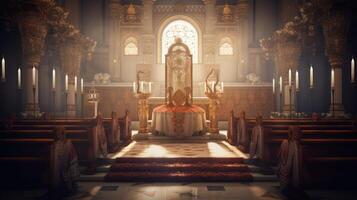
[
  {"x": 290, "y": 78},
  {"x": 82, "y": 85},
  {"x": 53, "y": 79},
  {"x": 353, "y": 70},
  {"x": 66, "y": 82},
  {"x": 134, "y": 87},
  {"x": 33, "y": 77},
  {"x": 222, "y": 86},
  {"x": 297, "y": 83},
  {"x": 280, "y": 84},
  {"x": 75, "y": 84},
  {"x": 311, "y": 77},
  {"x": 19, "y": 78},
  {"x": 3, "y": 69},
  {"x": 332, "y": 78},
  {"x": 273, "y": 85},
  {"x": 141, "y": 86},
  {"x": 150, "y": 83}
]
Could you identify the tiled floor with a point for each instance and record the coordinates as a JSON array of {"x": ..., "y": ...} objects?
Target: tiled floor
[{"x": 179, "y": 149}]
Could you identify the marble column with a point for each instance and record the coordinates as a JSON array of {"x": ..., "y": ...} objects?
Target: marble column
[
  {"x": 71, "y": 98},
  {"x": 33, "y": 30},
  {"x": 70, "y": 56},
  {"x": 114, "y": 39},
  {"x": 335, "y": 27},
  {"x": 243, "y": 26}
]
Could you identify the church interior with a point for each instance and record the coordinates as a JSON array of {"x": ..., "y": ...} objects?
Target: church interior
[{"x": 178, "y": 99}]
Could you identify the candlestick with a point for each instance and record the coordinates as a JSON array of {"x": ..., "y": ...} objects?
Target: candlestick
[
  {"x": 273, "y": 85},
  {"x": 19, "y": 78},
  {"x": 66, "y": 83},
  {"x": 297, "y": 84},
  {"x": 33, "y": 77},
  {"x": 75, "y": 84},
  {"x": 53, "y": 79},
  {"x": 3, "y": 77},
  {"x": 82, "y": 86},
  {"x": 332, "y": 78},
  {"x": 280, "y": 85},
  {"x": 290, "y": 78},
  {"x": 311, "y": 77},
  {"x": 353, "y": 70}
]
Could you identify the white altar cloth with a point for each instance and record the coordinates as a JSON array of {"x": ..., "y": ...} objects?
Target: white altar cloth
[{"x": 178, "y": 121}]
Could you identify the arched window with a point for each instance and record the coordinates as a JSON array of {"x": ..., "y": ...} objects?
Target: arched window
[
  {"x": 226, "y": 47},
  {"x": 186, "y": 31},
  {"x": 131, "y": 47}
]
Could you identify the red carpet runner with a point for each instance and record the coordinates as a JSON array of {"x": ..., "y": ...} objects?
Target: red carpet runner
[{"x": 131, "y": 169}]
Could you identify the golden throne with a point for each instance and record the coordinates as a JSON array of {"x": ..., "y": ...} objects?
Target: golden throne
[{"x": 178, "y": 75}]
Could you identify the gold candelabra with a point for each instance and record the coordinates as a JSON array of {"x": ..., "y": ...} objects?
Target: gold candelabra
[{"x": 142, "y": 92}]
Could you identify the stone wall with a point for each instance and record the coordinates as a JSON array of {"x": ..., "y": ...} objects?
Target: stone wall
[{"x": 252, "y": 99}]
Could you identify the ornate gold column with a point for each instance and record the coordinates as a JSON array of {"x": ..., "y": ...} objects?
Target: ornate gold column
[
  {"x": 32, "y": 22},
  {"x": 335, "y": 26}
]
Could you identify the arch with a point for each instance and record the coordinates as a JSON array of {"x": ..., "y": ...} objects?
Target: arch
[
  {"x": 131, "y": 47},
  {"x": 226, "y": 47},
  {"x": 183, "y": 21}
]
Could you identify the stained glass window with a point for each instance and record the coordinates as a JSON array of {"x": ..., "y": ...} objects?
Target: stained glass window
[
  {"x": 131, "y": 47},
  {"x": 184, "y": 30},
  {"x": 226, "y": 48}
]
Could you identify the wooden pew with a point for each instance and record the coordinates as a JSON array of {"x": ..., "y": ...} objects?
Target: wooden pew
[
  {"x": 25, "y": 162},
  {"x": 327, "y": 162}
]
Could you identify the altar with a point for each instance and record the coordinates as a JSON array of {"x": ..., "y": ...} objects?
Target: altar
[{"x": 178, "y": 121}]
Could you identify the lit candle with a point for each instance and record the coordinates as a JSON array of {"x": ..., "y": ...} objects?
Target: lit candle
[
  {"x": 141, "y": 86},
  {"x": 280, "y": 84},
  {"x": 53, "y": 79},
  {"x": 3, "y": 69},
  {"x": 82, "y": 85},
  {"x": 311, "y": 77},
  {"x": 353, "y": 70},
  {"x": 134, "y": 87},
  {"x": 290, "y": 78},
  {"x": 33, "y": 77},
  {"x": 150, "y": 87},
  {"x": 297, "y": 83},
  {"x": 19, "y": 78},
  {"x": 75, "y": 84},
  {"x": 66, "y": 82},
  {"x": 332, "y": 78},
  {"x": 273, "y": 85}
]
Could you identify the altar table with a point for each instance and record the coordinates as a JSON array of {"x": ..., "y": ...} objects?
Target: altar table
[{"x": 178, "y": 121}]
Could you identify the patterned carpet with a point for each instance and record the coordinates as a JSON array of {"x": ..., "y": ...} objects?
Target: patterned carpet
[
  {"x": 179, "y": 161},
  {"x": 171, "y": 149}
]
